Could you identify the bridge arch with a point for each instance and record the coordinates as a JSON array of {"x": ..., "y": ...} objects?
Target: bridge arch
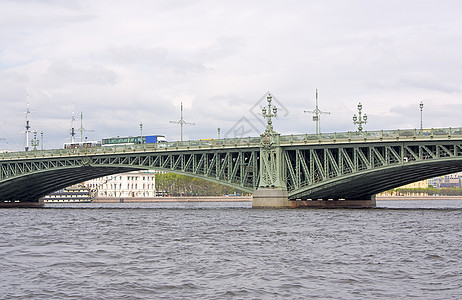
[
  {"x": 377, "y": 171},
  {"x": 39, "y": 184},
  {"x": 31, "y": 179}
]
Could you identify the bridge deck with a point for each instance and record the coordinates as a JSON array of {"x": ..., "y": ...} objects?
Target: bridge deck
[{"x": 433, "y": 134}]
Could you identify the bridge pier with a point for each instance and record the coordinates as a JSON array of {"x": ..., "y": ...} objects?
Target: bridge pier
[
  {"x": 322, "y": 203},
  {"x": 270, "y": 198}
]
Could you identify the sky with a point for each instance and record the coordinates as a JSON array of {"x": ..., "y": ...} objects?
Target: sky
[{"x": 123, "y": 63}]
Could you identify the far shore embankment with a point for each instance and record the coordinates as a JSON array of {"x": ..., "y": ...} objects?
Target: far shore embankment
[
  {"x": 173, "y": 199},
  {"x": 419, "y": 198},
  {"x": 245, "y": 199}
]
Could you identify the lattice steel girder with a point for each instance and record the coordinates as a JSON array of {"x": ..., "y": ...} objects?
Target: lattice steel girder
[
  {"x": 229, "y": 166},
  {"x": 233, "y": 167},
  {"x": 316, "y": 170},
  {"x": 18, "y": 168}
]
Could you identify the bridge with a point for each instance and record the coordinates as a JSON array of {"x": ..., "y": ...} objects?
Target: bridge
[{"x": 311, "y": 170}]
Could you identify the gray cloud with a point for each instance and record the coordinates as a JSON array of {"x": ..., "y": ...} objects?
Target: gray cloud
[
  {"x": 122, "y": 64},
  {"x": 64, "y": 72},
  {"x": 152, "y": 58}
]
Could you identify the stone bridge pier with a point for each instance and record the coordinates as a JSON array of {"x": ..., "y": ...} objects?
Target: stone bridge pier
[{"x": 272, "y": 188}]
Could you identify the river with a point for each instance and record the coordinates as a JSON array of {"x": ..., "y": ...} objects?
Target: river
[{"x": 400, "y": 250}]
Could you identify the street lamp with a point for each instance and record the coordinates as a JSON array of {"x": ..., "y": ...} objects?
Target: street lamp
[
  {"x": 421, "y": 122},
  {"x": 269, "y": 113},
  {"x": 141, "y": 132},
  {"x": 360, "y": 120},
  {"x": 35, "y": 142}
]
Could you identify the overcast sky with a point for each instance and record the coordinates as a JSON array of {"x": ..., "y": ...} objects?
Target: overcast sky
[{"x": 125, "y": 62}]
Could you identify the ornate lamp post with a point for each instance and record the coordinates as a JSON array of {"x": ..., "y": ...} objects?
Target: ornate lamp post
[
  {"x": 269, "y": 113},
  {"x": 360, "y": 120},
  {"x": 272, "y": 186},
  {"x": 34, "y": 141},
  {"x": 421, "y": 122},
  {"x": 141, "y": 132}
]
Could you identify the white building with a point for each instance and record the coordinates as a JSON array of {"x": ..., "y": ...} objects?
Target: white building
[
  {"x": 124, "y": 185},
  {"x": 414, "y": 185}
]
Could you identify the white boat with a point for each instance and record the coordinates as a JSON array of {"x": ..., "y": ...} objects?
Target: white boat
[{"x": 78, "y": 193}]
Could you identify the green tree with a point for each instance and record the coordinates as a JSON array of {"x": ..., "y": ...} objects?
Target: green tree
[{"x": 176, "y": 185}]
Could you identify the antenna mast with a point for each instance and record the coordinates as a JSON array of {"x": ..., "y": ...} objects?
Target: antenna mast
[
  {"x": 26, "y": 148},
  {"x": 181, "y": 122},
  {"x": 73, "y": 127},
  {"x": 317, "y": 113},
  {"x": 81, "y": 129}
]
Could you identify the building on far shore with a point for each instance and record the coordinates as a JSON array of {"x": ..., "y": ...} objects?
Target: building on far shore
[
  {"x": 446, "y": 181},
  {"x": 414, "y": 185},
  {"x": 139, "y": 184},
  {"x": 124, "y": 185}
]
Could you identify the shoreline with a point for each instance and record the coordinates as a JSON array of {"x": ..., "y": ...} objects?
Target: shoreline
[
  {"x": 391, "y": 198},
  {"x": 245, "y": 199},
  {"x": 174, "y": 199}
]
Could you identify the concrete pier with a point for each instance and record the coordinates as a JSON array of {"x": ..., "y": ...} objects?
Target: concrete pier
[
  {"x": 278, "y": 198},
  {"x": 321, "y": 203},
  {"x": 270, "y": 198}
]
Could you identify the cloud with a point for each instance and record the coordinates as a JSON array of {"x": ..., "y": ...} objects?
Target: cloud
[
  {"x": 67, "y": 73},
  {"x": 154, "y": 59},
  {"x": 122, "y": 64}
]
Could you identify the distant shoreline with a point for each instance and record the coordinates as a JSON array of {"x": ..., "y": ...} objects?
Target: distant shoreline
[
  {"x": 419, "y": 198},
  {"x": 245, "y": 199},
  {"x": 173, "y": 199}
]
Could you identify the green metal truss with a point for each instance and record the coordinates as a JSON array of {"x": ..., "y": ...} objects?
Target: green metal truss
[
  {"x": 34, "y": 177},
  {"x": 358, "y": 171}
]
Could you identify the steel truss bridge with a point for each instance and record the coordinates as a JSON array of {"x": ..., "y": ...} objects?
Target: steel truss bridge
[{"x": 349, "y": 165}]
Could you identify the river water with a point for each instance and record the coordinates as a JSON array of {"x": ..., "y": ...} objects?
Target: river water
[{"x": 401, "y": 250}]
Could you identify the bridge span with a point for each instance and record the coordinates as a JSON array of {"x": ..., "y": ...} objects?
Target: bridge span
[{"x": 312, "y": 170}]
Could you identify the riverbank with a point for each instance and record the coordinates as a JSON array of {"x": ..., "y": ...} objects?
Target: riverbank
[
  {"x": 174, "y": 199},
  {"x": 246, "y": 199},
  {"x": 419, "y": 198}
]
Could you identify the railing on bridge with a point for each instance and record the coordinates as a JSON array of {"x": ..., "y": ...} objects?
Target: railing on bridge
[
  {"x": 169, "y": 146},
  {"x": 306, "y": 139},
  {"x": 382, "y": 135}
]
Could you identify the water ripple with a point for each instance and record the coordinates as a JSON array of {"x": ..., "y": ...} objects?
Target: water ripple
[{"x": 213, "y": 251}]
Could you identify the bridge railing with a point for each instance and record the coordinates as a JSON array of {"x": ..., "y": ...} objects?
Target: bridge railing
[
  {"x": 176, "y": 145},
  {"x": 336, "y": 137},
  {"x": 381, "y": 135},
  {"x": 213, "y": 143}
]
